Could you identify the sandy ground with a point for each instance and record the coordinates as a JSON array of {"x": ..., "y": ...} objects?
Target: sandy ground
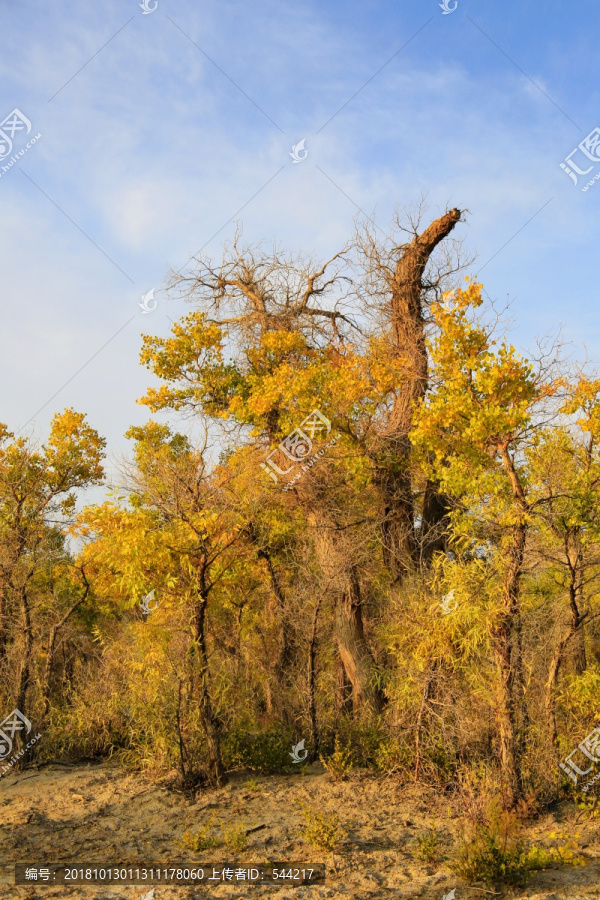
[{"x": 100, "y": 814}]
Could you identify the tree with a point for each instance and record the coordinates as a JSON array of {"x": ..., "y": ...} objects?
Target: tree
[
  {"x": 286, "y": 325},
  {"x": 181, "y": 529},
  {"x": 566, "y": 481},
  {"x": 38, "y": 488},
  {"x": 478, "y": 421}
]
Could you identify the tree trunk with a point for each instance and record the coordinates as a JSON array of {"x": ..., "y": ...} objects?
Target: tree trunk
[
  {"x": 505, "y": 718},
  {"x": 312, "y": 706},
  {"x": 393, "y": 474},
  {"x": 276, "y": 693},
  {"x": 344, "y": 705},
  {"x": 435, "y": 522},
  {"x": 506, "y": 665},
  {"x": 574, "y": 558},
  {"x": 210, "y": 722},
  {"x": 427, "y": 689},
  {"x": 551, "y": 682},
  {"x": 503, "y": 632},
  {"x": 52, "y": 646},
  {"x": 521, "y": 700},
  {"x": 3, "y": 628},
  {"x": 341, "y": 579},
  {"x": 576, "y": 603},
  {"x": 25, "y": 668},
  {"x": 397, "y": 524},
  {"x": 352, "y": 646},
  {"x": 282, "y": 662}
]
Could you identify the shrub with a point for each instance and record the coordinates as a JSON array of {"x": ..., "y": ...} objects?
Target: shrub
[
  {"x": 491, "y": 856},
  {"x": 364, "y": 736},
  {"x": 495, "y": 852},
  {"x": 322, "y": 830},
  {"x": 443, "y": 763},
  {"x": 340, "y": 762},
  {"x": 428, "y": 846},
  {"x": 201, "y": 840},
  {"x": 393, "y": 758},
  {"x": 266, "y": 751},
  {"x": 585, "y": 803},
  {"x": 251, "y": 785}
]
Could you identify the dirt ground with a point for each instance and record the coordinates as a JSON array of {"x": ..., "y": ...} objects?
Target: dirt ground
[{"x": 100, "y": 814}]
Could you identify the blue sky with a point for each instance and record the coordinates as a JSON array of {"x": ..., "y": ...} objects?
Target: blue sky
[{"x": 152, "y": 148}]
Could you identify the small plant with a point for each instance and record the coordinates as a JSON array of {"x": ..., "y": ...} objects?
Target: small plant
[
  {"x": 251, "y": 785},
  {"x": 322, "y": 830},
  {"x": 200, "y": 840},
  {"x": 235, "y": 837},
  {"x": 565, "y": 853},
  {"x": 340, "y": 762},
  {"x": 588, "y": 804},
  {"x": 428, "y": 846}
]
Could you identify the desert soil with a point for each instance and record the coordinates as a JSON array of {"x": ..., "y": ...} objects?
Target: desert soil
[{"x": 100, "y": 814}]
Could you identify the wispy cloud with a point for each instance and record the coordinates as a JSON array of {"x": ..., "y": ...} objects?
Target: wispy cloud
[{"x": 151, "y": 149}]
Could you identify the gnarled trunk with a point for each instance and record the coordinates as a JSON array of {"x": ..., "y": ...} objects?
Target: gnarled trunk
[
  {"x": 397, "y": 524},
  {"x": 393, "y": 473},
  {"x": 342, "y": 582}
]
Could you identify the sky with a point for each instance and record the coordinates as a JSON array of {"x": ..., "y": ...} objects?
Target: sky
[{"x": 160, "y": 128}]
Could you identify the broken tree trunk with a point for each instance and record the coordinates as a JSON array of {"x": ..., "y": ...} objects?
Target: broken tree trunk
[{"x": 393, "y": 473}]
